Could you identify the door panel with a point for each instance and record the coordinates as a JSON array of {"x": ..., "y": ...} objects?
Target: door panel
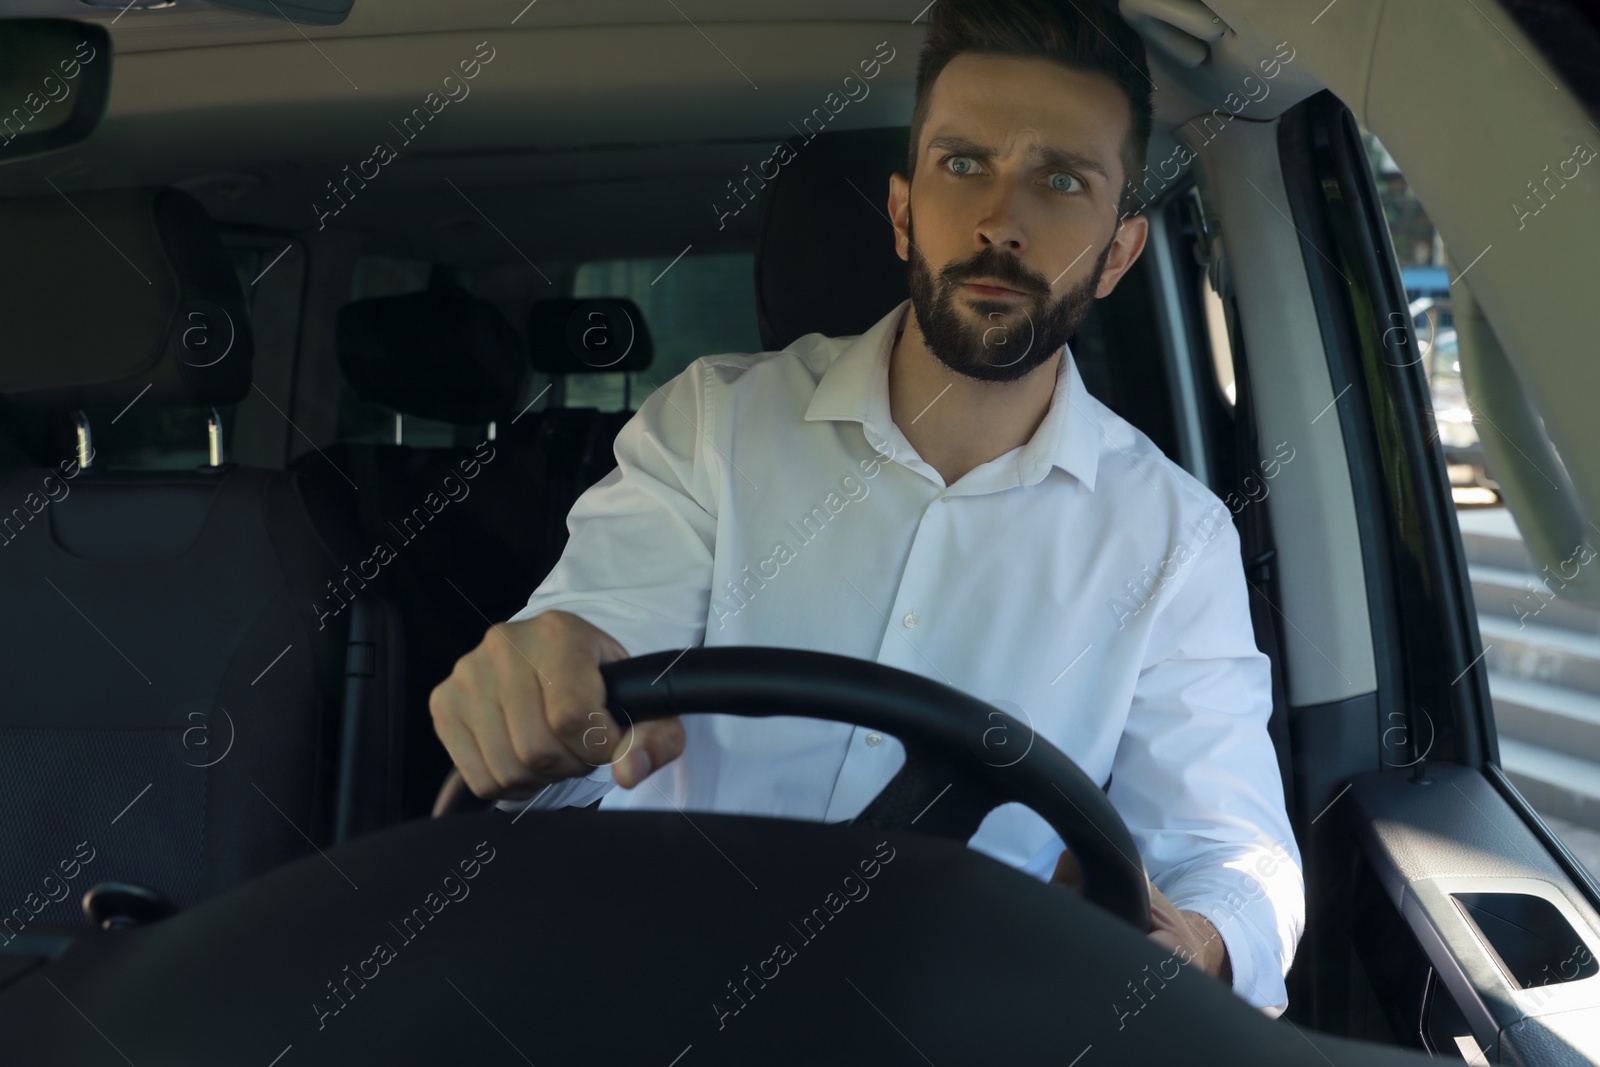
[{"x": 1505, "y": 934}]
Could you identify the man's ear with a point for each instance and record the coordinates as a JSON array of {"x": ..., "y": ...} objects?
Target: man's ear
[
  {"x": 1125, "y": 249},
  {"x": 900, "y": 214}
]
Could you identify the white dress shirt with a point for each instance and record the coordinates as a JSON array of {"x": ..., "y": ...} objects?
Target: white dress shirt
[{"x": 1083, "y": 582}]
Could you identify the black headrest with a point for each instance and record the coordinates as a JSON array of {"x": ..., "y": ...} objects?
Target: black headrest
[
  {"x": 113, "y": 290},
  {"x": 825, "y": 259},
  {"x": 439, "y": 354},
  {"x": 588, "y": 336}
]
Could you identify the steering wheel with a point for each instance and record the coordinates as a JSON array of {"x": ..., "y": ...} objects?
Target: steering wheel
[{"x": 960, "y": 761}]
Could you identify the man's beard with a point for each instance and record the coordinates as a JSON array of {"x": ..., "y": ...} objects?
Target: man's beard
[{"x": 1018, "y": 335}]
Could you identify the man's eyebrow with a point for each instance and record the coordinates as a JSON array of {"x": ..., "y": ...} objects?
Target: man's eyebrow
[{"x": 1047, "y": 154}]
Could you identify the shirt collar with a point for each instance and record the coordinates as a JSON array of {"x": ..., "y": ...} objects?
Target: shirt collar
[{"x": 855, "y": 387}]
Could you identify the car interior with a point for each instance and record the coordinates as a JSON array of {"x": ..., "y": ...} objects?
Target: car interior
[{"x": 282, "y": 436}]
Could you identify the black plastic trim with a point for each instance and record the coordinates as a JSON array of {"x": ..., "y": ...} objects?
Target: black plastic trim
[
  {"x": 1581, "y": 877},
  {"x": 1426, "y": 645},
  {"x": 1429, "y": 843}
]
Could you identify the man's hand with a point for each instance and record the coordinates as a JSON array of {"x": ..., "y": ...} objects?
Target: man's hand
[
  {"x": 526, "y": 708},
  {"x": 1188, "y": 934}
]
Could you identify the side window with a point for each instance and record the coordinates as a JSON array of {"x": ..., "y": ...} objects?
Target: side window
[
  {"x": 1216, "y": 319},
  {"x": 697, "y": 306},
  {"x": 1542, "y": 651}
]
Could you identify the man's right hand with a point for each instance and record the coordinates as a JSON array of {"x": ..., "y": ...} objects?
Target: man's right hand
[{"x": 527, "y": 708}]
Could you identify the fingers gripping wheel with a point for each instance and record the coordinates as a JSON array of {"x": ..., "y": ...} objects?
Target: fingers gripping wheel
[{"x": 951, "y": 778}]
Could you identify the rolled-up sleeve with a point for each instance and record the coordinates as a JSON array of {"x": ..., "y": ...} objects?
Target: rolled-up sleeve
[
  {"x": 1196, "y": 775},
  {"x": 638, "y": 558}
]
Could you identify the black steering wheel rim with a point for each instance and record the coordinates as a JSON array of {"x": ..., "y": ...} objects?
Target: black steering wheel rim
[{"x": 956, "y": 770}]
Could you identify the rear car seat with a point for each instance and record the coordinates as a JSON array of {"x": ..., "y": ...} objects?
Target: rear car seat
[
  {"x": 458, "y": 537},
  {"x": 173, "y": 708},
  {"x": 568, "y": 336},
  {"x": 450, "y": 535}
]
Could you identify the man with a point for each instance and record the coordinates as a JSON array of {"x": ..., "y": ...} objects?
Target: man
[{"x": 941, "y": 495}]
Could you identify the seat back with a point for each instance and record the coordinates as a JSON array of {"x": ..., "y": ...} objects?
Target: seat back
[
  {"x": 173, "y": 708},
  {"x": 451, "y": 535},
  {"x": 593, "y": 335},
  {"x": 458, "y": 537},
  {"x": 828, "y": 200}
]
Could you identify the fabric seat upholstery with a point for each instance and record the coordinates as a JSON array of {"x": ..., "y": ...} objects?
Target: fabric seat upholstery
[
  {"x": 174, "y": 709},
  {"x": 451, "y": 535}
]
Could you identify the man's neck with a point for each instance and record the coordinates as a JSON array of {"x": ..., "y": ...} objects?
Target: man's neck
[{"x": 955, "y": 422}]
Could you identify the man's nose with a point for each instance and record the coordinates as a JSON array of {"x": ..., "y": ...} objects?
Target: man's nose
[{"x": 1001, "y": 226}]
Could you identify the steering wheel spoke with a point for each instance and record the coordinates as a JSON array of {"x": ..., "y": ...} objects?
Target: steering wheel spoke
[{"x": 932, "y": 795}]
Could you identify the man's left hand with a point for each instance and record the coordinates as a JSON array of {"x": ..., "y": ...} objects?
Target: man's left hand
[{"x": 1185, "y": 933}]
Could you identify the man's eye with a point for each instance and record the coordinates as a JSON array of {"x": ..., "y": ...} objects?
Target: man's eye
[
  {"x": 959, "y": 165},
  {"x": 1062, "y": 182}
]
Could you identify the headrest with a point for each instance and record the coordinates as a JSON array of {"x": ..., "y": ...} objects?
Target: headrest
[
  {"x": 825, "y": 258},
  {"x": 588, "y": 336},
  {"x": 109, "y": 291},
  {"x": 439, "y": 354}
]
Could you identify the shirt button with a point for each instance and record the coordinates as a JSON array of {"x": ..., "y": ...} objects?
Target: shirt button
[
  {"x": 910, "y": 620},
  {"x": 874, "y": 740}
]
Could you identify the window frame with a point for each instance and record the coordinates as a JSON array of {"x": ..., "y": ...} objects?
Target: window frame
[
  {"x": 1411, "y": 540},
  {"x": 1427, "y": 648}
]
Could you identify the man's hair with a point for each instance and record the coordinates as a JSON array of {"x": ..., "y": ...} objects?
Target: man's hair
[{"x": 1079, "y": 34}]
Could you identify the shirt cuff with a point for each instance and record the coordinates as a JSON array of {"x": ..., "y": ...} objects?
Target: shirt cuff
[
  {"x": 572, "y": 793},
  {"x": 1257, "y": 981},
  {"x": 1260, "y": 941}
]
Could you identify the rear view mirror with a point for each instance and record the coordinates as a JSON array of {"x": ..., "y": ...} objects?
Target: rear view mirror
[{"x": 54, "y": 76}]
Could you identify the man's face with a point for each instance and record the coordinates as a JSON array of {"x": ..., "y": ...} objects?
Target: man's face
[
  {"x": 1017, "y": 185},
  {"x": 996, "y": 348}
]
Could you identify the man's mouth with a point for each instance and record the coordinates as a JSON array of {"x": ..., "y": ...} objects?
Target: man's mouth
[{"x": 991, "y": 291}]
